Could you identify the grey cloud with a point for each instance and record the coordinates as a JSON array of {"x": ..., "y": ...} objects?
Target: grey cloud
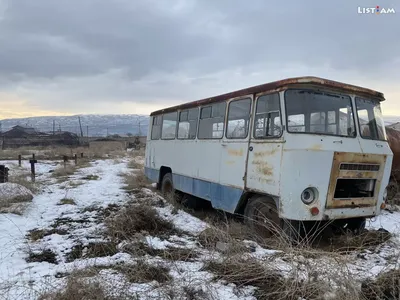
[{"x": 152, "y": 50}]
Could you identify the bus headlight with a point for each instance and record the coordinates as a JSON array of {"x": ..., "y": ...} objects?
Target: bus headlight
[{"x": 309, "y": 195}]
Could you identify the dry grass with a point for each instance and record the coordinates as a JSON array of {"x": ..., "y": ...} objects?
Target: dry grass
[
  {"x": 269, "y": 282},
  {"x": 67, "y": 201},
  {"x": 25, "y": 180},
  {"x": 37, "y": 234},
  {"x": 91, "y": 177},
  {"x": 220, "y": 239},
  {"x": 92, "y": 250},
  {"x": 143, "y": 272},
  {"x": 97, "y": 150},
  {"x": 78, "y": 289},
  {"x": 46, "y": 255},
  {"x": 62, "y": 171},
  {"x": 133, "y": 219},
  {"x": 385, "y": 286},
  {"x": 135, "y": 180},
  {"x": 14, "y": 208},
  {"x": 170, "y": 253},
  {"x": 133, "y": 164}
]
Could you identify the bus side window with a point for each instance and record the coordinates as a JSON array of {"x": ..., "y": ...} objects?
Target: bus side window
[
  {"x": 169, "y": 126},
  {"x": 187, "y": 127},
  {"x": 156, "y": 128},
  {"x": 267, "y": 117},
  {"x": 238, "y": 119},
  {"x": 211, "y": 125}
]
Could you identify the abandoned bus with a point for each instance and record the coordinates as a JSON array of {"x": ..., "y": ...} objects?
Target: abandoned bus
[{"x": 298, "y": 150}]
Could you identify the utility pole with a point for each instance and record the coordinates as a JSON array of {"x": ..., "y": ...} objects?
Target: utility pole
[
  {"x": 80, "y": 125},
  {"x": 107, "y": 131}
]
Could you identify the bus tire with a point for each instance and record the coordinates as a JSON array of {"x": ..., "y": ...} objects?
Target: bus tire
[
  {"x": 262, "y": 216},
  {"x": 167, "y": 187}
]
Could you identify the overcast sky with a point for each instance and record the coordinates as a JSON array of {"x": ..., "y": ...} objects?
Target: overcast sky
[{"x": 136, "y": 56}]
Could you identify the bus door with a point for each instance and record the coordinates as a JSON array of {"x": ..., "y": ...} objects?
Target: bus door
[
  {"x": 234, "y": 147},
  {"x": 265, "y": 146}
]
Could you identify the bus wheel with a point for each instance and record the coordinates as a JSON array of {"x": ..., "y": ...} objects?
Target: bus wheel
[
  {"x": 167, "y": 187},
  {"x": 262, "y": 216}
]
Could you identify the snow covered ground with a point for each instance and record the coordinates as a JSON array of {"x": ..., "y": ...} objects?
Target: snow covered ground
[{"x": 79, "y": 221}]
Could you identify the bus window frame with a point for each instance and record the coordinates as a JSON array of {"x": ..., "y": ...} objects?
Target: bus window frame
[
  {"x": 255, "y": 113},
  {"x": 223, "y": 123},
  {"x": 352, "y": 105},
  {"x": 249, "y": 97}
]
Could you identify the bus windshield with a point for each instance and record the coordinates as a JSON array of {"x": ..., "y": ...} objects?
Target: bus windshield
[
  {"x": 370, "y": 119},
  {"x": 316, "y": 112}
]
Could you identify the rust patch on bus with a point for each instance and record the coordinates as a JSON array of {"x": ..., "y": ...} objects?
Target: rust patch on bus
[
  {"x": 315, "y": 147},
  {"x": 264, "y": 153},
  {"x": 263, "y": 168},
  {"x": 234, "y": 152}
]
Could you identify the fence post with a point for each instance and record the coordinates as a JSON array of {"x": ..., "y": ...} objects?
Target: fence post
[
  {"x": 33, "y": 161},
  {"x": 81, "y": 154},
  {"x": 65, "y": 161},
  {"x": 76, "y": 158},
  {"x": 19, "y": 159}
]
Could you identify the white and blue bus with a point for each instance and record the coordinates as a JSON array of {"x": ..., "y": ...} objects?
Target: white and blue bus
[{"x": 300, "y": 150}]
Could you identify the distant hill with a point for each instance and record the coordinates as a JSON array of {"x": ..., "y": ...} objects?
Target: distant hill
[{"x": 96, "y": 125}]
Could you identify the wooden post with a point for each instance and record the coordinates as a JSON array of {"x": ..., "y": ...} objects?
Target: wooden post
[
  {"x": 76, "y": 158},
  {"x": 81, "y": 154},
  {"x": 19, "y": 159},
  {"x": 65, "y": 161},
  {"x": 33, "y": 161}
]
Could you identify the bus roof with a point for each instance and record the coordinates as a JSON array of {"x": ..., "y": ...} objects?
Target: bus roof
[{"x": 274, "y": 86}]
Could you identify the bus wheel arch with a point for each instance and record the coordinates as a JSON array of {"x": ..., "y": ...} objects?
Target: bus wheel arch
[
  {"x": 247, "y": 195},
  {"x": 262, "y": 215},
  {"x": 163, "y": 171}
]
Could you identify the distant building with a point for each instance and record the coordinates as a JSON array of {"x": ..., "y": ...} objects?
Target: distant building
[
  {"x": 20, "y": 132},
  {"x": 19, "y": 136}
]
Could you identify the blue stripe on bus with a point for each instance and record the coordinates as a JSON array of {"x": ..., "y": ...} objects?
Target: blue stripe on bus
[
  {"x": 152, "y": 174},
  {"x": 221, "y": 196}
]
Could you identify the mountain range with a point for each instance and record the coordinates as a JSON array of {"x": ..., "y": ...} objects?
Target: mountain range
[{"x": 92, "y": 125}]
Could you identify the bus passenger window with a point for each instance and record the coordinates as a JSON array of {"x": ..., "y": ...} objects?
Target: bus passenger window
[
  {"x": 211, "y": 125},
  {"x": 156, "y": 128},
  {"x": 238, "y": 119},
  {"x": 169, "y": 126},
  {"x": 187, "y": 127},
  {"x": 267, "y": 118}
]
